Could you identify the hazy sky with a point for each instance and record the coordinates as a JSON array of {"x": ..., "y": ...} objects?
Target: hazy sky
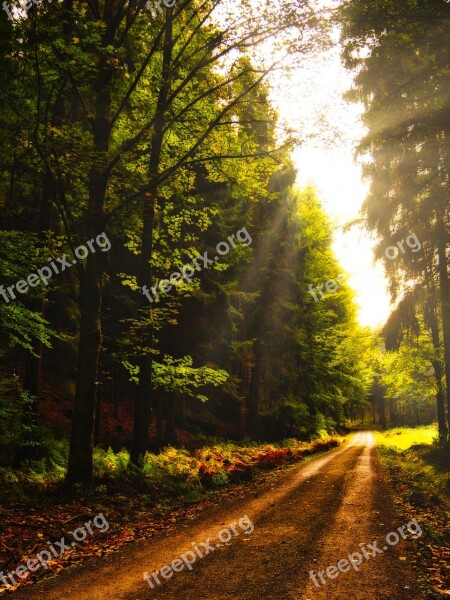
[{"x": 310, "y": 101}]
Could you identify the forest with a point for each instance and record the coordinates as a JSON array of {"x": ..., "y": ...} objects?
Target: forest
[{"x": 177, "y": 326}]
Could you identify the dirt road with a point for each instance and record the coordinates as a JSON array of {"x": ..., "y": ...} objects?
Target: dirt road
[{"x": 308, "y": 519}]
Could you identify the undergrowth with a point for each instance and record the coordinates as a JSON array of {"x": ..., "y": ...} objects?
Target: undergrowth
[
  {"x": 419, "y": 469},
  {"x": 172, "y": 473}
]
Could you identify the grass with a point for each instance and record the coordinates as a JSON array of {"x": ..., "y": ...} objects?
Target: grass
[
  {"x": 419, "y": 470},
  {"x": 413, "y": 457},
  {"x": 402, "y": 438}
]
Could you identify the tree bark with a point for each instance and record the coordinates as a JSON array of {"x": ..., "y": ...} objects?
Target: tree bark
[
  {"x": 444, "y": 288},
  {"x": 382, "y": 409},
  {"x": 171, "y": 433},
  {"x": 444, "y": 283},
  {"x": 80, "y": 467},
  {"x": 432, "y": 320},
  {"x": 143, "y": 398}
]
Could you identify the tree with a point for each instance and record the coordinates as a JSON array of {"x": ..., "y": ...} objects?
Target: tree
[{"x": 403, "y": 82}]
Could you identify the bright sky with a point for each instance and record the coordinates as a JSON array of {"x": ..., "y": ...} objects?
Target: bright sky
[{"x": 310, "y": 101}]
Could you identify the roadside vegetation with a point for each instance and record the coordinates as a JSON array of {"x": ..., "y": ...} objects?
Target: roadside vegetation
[
  {"x": 173, "y": 473},
  {"x": 419, "y": 470}
]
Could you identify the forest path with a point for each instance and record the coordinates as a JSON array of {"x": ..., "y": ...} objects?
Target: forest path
[{"x": 310, "y": 518}]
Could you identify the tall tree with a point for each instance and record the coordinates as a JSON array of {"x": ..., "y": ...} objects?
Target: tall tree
[{"x": 400, "y": 54}]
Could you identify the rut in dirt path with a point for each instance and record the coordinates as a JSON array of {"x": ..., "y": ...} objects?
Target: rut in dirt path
[{"x": 313, "y": 517}]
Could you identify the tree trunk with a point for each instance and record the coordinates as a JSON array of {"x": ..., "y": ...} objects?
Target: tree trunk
[
  {"x": 33, "y": 365},
  {"x": 444, "y": 283},
  {"x": 143, "y": 398},
  {"x": 171, "y": 433},
  {"x": 92, "y": 275},
  {"x": 254, "y": 393},
  {"x": 382, "y": 409},
  {"x": 445, "y": 307},
  {"x": 160, "y": 419},
  {"x": 82, "y": 439},
  {"x": 97, "y": 420},
  {"x": 244, "y": 392},
  {"x": 431, "y": 319},
  {"x": 33, "y": 368},
  {"x": 391, "y": 412}
]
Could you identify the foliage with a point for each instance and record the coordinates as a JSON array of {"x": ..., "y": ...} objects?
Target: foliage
[
  {"x": 179, "y": 375},
  {"x": 23, "y": 326}
]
